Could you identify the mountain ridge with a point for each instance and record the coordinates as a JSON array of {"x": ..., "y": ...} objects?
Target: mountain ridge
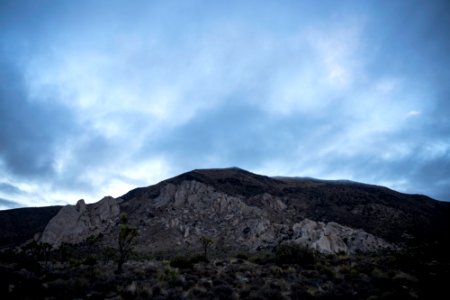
[
  {"x": 271, "y": 205},
  {"x": 322, "y": 193}
]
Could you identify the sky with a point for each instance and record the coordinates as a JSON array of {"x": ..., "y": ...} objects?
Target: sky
[{"x": 99, "y": 97}]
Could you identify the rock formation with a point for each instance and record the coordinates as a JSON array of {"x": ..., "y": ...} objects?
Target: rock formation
[
  {"x": 242, "y": 211},
  {"x": 74, "y": 224},
  {"x": 189, "y": 209},
  {"x": 335, "y": 238}
]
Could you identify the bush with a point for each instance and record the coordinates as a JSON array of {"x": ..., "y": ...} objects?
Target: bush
[
  {"x": 261, "y": 258},
  {"x": 181, "y": 262},
  {"x": 185, "y": 262},
  {"x": 294, "y": 254},
  {"x": 326, "y": 270},
  {"x": 168, "y": 274},
  {"x": 242, "y": 256},
  {"x": 198, "y": 258},
  {"x": 89, "y": 261}
]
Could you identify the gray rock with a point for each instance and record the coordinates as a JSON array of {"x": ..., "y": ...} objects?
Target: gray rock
[
  {"x": 74, "y": 224},
  {"x": 334, "y": 238},
  {"x": 190, "y": 209},
  {"x": 182, "y": 212}
]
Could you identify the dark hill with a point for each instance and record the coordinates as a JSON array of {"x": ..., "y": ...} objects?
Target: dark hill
[{"x": 21, "y": 224}]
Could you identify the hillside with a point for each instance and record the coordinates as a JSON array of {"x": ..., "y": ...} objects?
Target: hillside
[
  {"x": 268, "y": 238},
  {"x": 246, "y": 211},
  {"x": 383, "y": 212}
]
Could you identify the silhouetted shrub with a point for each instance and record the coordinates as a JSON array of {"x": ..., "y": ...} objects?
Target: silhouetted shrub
[
  {"x": 294, "y": 254},
  {"x": 181, "y": 262},
  {"x": 242, "y": 256},
  {"x": 222, "y": 291},
  {"x": 29, "y": 264},
  {"x": 262, "y": 258},
  {"x": 325, "y": 270},
  {"x": 89, "y": 261},
  {"x": 197, "y": 259},
  {"x": 185, "y": 262},
  {"x": 167, "y": 273}
]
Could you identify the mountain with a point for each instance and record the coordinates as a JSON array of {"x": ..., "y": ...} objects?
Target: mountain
[
  {"x": 243, "y": 211},
  {"x": 369, "y": 242}
]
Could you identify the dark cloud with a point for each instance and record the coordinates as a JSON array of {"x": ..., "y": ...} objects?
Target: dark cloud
[
  {"x": 9, "y": 188},
  {"x": 31, "y": 130}
]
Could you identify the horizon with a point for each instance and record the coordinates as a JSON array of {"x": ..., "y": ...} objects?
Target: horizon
[
  {"x": 97, "y": 98},
  {"x": 238, "y": 168}
]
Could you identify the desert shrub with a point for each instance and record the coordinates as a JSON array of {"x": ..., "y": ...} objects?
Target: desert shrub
[
  {"x": 197, "y": 293},
  {"x": 66, "y": 252},
  {"x": 276, "y": 271},
  {"x": 242, "y": 256},
  {"x": 197, "y": 259},
  {"x": 38, "y": 251},
  {"x": 30, "y": 264},
  {"x": 261, "y": 258},
  {"x": 186, "y": 262},
  {"x": 181, "y": 262},
  {"x": 244, "y": 294},
  {"x": 89, "y": 261},
  {"x": 108, "y": 254},
  {"x": 294, "y": 254},
  {"x": 219, "y": 263},
  {"x": 326, "y": 270},
  {"x": 270, "y": 292},
  {"x": 167, "y": 273},
  {"x": 379, "y": 274},
  {"x": 9, "y": 256},
  {"x": 222, "y": 292}
]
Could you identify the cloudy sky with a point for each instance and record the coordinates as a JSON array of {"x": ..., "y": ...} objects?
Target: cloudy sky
[{"x": 98, "y": 97}]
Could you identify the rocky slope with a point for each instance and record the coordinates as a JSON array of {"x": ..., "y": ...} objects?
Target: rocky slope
[{"x": 242, "y": 211}]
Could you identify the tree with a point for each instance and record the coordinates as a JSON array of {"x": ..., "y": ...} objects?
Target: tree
[
  {"x": 127, "y": 235},
  {"x": 206, "y": 242}
]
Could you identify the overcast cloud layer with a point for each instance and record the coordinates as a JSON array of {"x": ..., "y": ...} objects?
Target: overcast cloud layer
[{"x": 98, "y": 97}]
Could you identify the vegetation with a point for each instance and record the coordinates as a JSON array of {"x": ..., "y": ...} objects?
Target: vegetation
[
  {"x": 287, "y": 273},
  {"x": 206, "y": 242},
  {"x": 294, "y": 254},
  {"x": 127, "y": 235},
  {"x": 186, "y": 262}
]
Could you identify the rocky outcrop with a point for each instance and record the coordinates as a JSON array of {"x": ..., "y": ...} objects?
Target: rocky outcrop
[
  {"x": 243, "y": 211},
  {"x": 184, "y": 212},
  {"x": 334, "y": 238},
  {"x": 175, "y": 217},
  {"x": 74, "y": 223}
]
